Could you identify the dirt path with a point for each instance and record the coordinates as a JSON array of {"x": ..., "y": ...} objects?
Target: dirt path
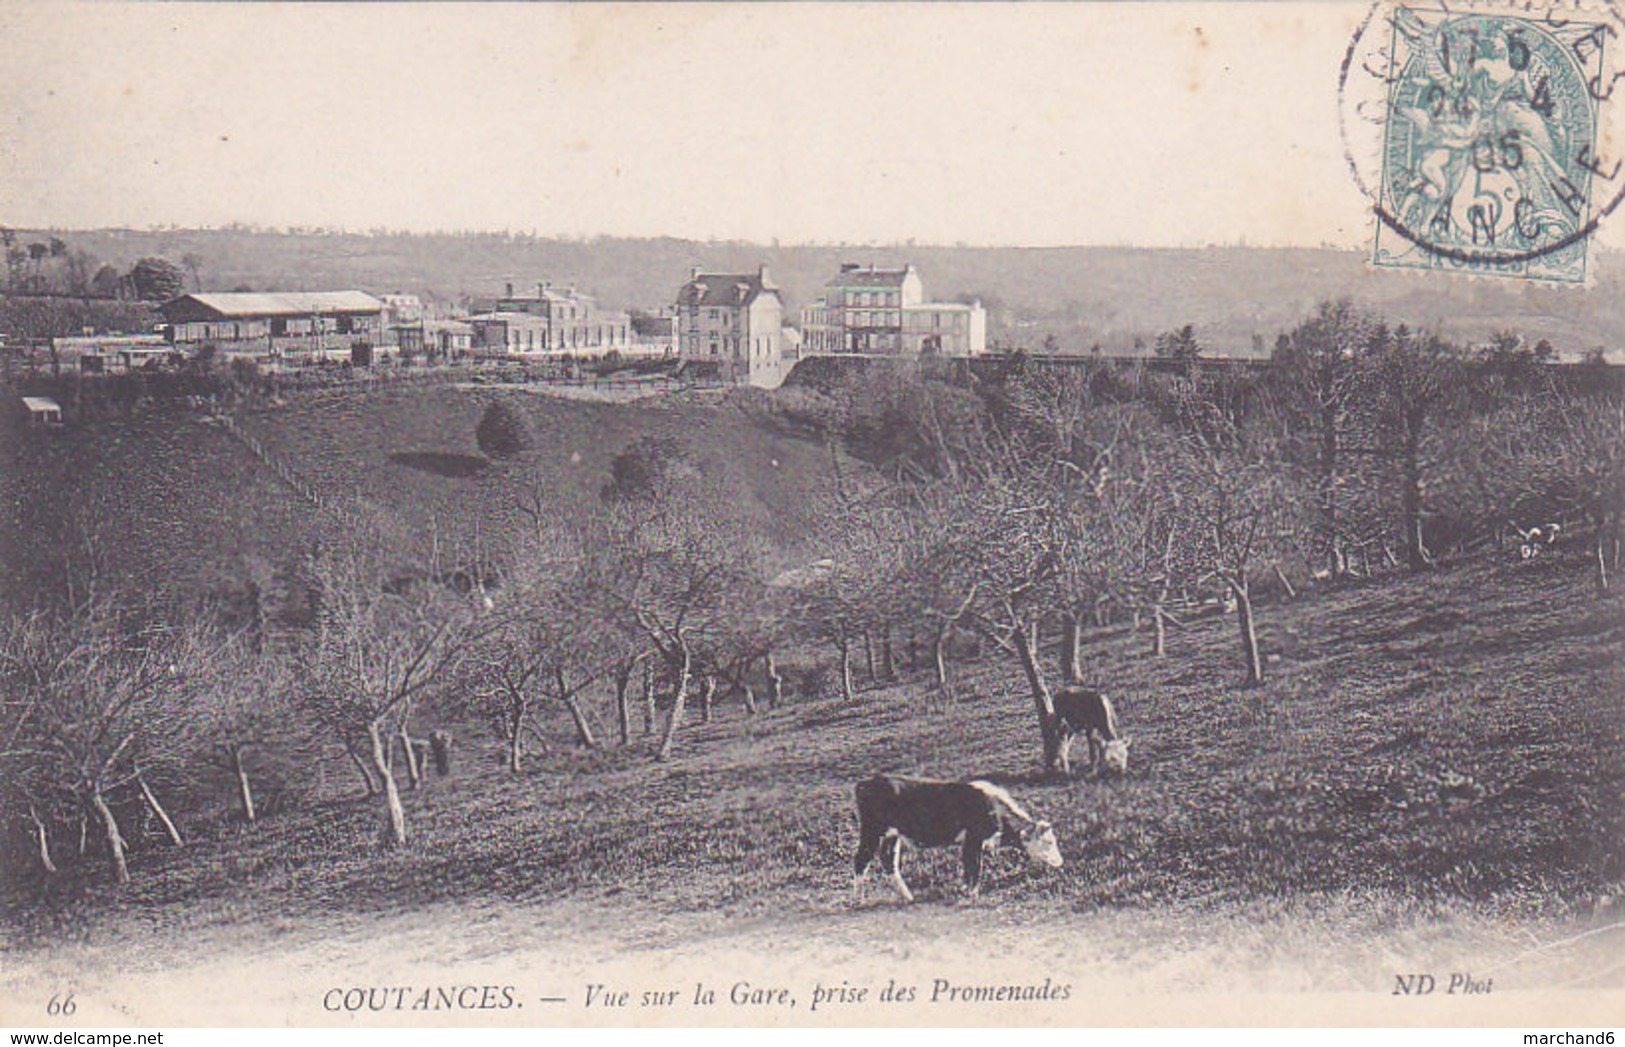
[{"x": 497, "y": 963}]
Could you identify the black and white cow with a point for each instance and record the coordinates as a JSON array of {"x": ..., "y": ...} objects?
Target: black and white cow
[
  {"x": 924, "y": 812},
  {"x": 1089, "y": 714}
]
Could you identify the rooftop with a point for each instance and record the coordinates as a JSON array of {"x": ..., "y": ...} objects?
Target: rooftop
[
  {"x": 545, "y": 292},
  {"x": 852, "y": 275},
  {"x": 505, "y": 317},
  {"x": 287, "y": 303},
  {"x": 731, "y": 289}
]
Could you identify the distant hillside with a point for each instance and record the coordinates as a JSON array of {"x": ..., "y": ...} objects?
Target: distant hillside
[
  {"x": 1235, "y": 296},
  {"x": 174, "y": 507}
]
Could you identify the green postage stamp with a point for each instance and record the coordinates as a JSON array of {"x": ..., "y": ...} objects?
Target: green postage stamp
[{"x": 1494, "y": 133}]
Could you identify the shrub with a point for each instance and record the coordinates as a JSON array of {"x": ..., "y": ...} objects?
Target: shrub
[
  {"x": 639, "y": 470},
  {"x": 500, "y": 433}
]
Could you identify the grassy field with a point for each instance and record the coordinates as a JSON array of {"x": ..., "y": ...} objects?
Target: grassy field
[
  {"x": 1435, "y": 766},
  {"x": 1433, "y": 773},
  {"x": 353, "y": 443}
]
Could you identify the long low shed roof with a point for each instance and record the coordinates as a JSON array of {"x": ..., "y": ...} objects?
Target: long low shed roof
[{"x": 290, "y": 303}]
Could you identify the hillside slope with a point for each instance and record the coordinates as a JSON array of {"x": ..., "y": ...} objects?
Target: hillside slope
[
  {"x": 1436, "y": 771},
  {"x": 175, "y": 507},
  {"x": 161, "y": 504}
]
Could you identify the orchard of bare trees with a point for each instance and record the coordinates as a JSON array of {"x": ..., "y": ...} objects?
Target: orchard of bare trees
[{"x": 1010, "y": 515}]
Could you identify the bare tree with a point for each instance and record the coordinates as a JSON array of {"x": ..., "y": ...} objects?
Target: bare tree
[
  {"x": 193, "y": 263},
  {"x": 251, "y": 719},
  {"x": 1054, "y": 410},
  {"x": 1562, "y": 456},
  {"x": 679, "y": 568},
  {"x": 77, "y": 270},
  {"x": 1584, "y": 457},
  {"x": 1014, "y": 538},
  {"x": 499, "y": 678},
  {"x": 373, "y": 655},
  {"x": 1240, "y": 506},
  {"x": 1114, "y": 500},
  {"x": 1321, "y": 372},
  {"x": 851, "y": 591},
  {"x": 96, "y": 703},
  {"x": 1416, "y": 383},
  {"x": 936, "y": 575}
]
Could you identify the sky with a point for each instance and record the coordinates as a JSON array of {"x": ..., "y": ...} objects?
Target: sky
[{"x": 1017, "y": 124}]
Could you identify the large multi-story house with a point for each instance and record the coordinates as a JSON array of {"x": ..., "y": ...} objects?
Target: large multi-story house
[
  {"x": 553, "y": 320},
  {"x": 870, "y": 310},
  {"x": 735, "y": 321}
]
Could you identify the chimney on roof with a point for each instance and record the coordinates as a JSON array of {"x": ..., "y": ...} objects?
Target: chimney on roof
[
  {"x": 541, "y": 289},
  {"x": 509, "y": 293},
  {"x": 765, "y": 278},
  {"x": 850, "y": 267},
  {"x": 693, "y": 272}
]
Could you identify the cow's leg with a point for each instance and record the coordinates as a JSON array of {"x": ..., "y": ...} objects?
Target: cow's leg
[
  {"x": 1065, "y": 754},
  {"x": 891, "y": 858},
  {"x": 869, "y": 837},
  {"x": 971, "y": 854},
  {"x": 1097, "y": 750}
]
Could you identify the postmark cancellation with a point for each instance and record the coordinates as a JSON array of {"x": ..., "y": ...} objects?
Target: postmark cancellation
[{"x": 1487, "y": 137}]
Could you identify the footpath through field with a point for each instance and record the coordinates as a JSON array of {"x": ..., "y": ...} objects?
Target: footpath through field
[{"x": 1307, "y": 963}]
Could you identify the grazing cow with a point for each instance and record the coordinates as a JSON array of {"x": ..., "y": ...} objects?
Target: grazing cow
[
  {"x": 1086, "y": 713},
  {"x": 928, "y": 813}
]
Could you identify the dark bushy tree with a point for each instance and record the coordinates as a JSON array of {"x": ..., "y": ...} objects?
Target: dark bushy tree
[
  {"x": 500, "y": 433},
  {"x": 1418, "y": 382},
  {"x": 157, "y": 279},
  {"x": 1320, "y": 375}
]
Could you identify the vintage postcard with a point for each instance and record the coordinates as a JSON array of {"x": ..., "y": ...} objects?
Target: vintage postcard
[{"x": 812, "y": 514}]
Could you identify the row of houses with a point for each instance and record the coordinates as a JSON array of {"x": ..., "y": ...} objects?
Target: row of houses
[
  {"x": 735, "y": 323},
  {"x": 737, "y": 320}
]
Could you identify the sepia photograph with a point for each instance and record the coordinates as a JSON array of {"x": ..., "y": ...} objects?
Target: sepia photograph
[{"x": 812, "y": 514}]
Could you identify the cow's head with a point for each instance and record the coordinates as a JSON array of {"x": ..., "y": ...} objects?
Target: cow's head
[
  {"x": 1117, "y": 754},
  {"x": 1038, "y": 840}
]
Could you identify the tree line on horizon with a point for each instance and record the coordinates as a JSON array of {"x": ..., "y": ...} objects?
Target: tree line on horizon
[{"x": 1077, "y": 296}]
